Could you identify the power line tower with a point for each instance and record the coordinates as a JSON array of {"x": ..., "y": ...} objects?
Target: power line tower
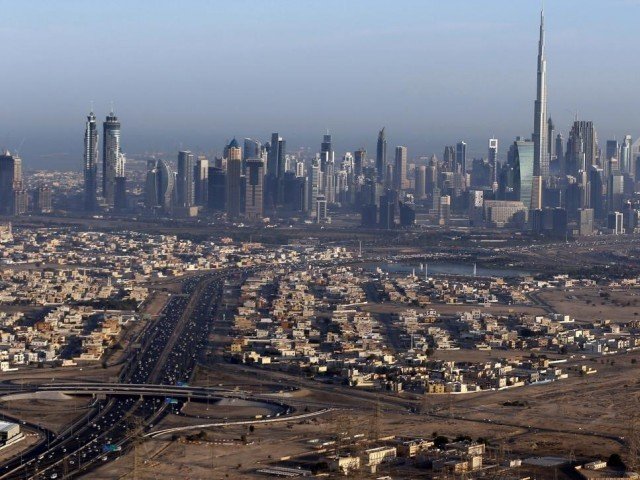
[
  {"x": 425, "y": 404},
  {"x": 134, "y": 433},
  {"x": 374, "y": 424},
  {"x": 450, "y": 406},
  {"x": 633, "y": 443}
]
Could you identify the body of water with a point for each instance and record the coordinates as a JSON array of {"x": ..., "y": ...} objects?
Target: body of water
[{"x": 450, "y": 268}]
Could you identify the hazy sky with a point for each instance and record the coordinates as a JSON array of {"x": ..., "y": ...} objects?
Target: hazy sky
[{"x": 193, "y": 73}]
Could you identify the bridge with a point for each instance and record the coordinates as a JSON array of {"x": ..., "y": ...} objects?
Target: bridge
[{"x": 183, "y": 393}]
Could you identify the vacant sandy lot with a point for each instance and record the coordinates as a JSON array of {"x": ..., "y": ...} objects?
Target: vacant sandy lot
[{"x": 587, "y": 303}]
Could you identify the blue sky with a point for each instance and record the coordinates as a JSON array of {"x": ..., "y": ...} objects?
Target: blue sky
[{"x": 195, "y": 73}]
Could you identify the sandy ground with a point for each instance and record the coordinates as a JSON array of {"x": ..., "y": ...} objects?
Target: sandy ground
[
  {"x": 53, "y": 414},
  {"x": 586, "y": 303},
  {"x": 584, "y": 416},
  {"x": 30, "y": 437}
]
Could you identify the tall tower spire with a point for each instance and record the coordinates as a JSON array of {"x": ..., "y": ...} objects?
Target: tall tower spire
[{"x": 540, "y": 154}]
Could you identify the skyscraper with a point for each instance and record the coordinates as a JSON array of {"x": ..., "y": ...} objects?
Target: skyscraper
[
  {"x": 13, "y": 197},
  {"x": 253, "y": 195},
  {"x": 421, "y": 182},
  {"x": 381, "y": 156},
  {"x": 314, "y": 185},
  {"x": 234, "y": 179},
  {"x": 360, "y": 157},
  {"x": 159, "y": 186},
  {"x": 596, "y": 191},
  {"x": 551, "y": 140},
  {"x": 327, "y": 169},
  {"x": 42, "y": 199},
  {"x": 252, "y": 149},
  {"x": 612, "y": 149},
  {"x": 625, "y": 155},
  {"x": 217, "y": 189},
  {"x": 493, "y": 161},
  {"x": 275, "y": 170},
  {"x": 540, "y": 146},
  {"x": 184, "y": 180},
  {"x": 120, "y": 194},
  {"x": 560, "y": 154},
  {"x": 521, "y": 157},
  {"x": 110, "y": 157},
  {"x": 326, "y": 152},
  {"x": 91, "y": 164},
  {"x": 400, "y": 169},
  {"x": 449, "y": 158},
  {"x": 461, "y": 157},
  {"x": 201, "y": 178},
  {"x": 582, "y": 147}
]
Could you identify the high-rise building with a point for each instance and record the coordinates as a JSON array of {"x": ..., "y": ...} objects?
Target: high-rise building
[
  {"x": 449, "y": 158},
  {"x": 184, "y": 179},
  {"x": 615, "y": 223},
  {"x": 253, "y": 192},
  {"x": 551, "y": 140},
  {"x": 201, "y": 179},
  {"x": 276, "y": 168},
  {"x": 421, "y": 182},
  {"x": 217, "y": 189},
  {"x": 13, "y": 197},
  {"x": 625, "y": 155},
  {"x": 536, "y": 193},
  {"x": 400, "y": 169},
  {"x": 461, "y": 158},
  {"x": 612, "y": 149},
  {"x": 42, "y": 200},
  {"x": 91, "y": 164},
  {"x": 522, "y": 159},
  {"x": 585, "y": 221},
  {"x": 314, "y": 185},
  {"x": 120, "y": 200},
  {"x": 234, "y": 180},
  {"x": 159, "y": 186},
  {"x": 111, "y": 157},
  {"x": 327, "y": 169},
  {"x": 493, "y": 162},
  {"x": 252, "y": 149},
  {"x": 540, "y": 146},
  {"x": 560, "y": 155},
  {"x": 381, "y": 156},
  {"x": 444, "y": 210},
  {"x": 582, "y": 147},
  {"x": 359, "y": 159},
  {"x": 596, "y": 191},
  {"x": 476, "y": 204},
  {"x": 615, "y": 192},
  {"x": 388, "y": 202},
  {"x": 321, "y": 209},
  {"x": 326, "y": 152}
]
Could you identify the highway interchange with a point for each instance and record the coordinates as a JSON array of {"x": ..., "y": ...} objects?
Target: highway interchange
[{"x": 159, "y": 369}]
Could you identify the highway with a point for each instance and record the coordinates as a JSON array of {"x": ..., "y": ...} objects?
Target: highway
[{"x": 166, "y": 357}]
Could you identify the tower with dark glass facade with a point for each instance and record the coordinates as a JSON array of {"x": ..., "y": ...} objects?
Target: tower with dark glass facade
[{"x": 91, "y": 164}]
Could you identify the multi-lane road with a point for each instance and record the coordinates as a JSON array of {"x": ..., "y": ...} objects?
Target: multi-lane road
[{"x": 167, "y": 356}]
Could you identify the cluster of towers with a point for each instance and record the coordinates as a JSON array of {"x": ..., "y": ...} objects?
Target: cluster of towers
[
  {"x": 15, "y": 198},
  {"x": 114, "y": 190},
  {"x": 544, "y": 183}
]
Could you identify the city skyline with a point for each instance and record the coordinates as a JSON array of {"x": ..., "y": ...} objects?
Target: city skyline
[
  {"x": 454, "y": 94},
  {"x": 362, "y": 238}
]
